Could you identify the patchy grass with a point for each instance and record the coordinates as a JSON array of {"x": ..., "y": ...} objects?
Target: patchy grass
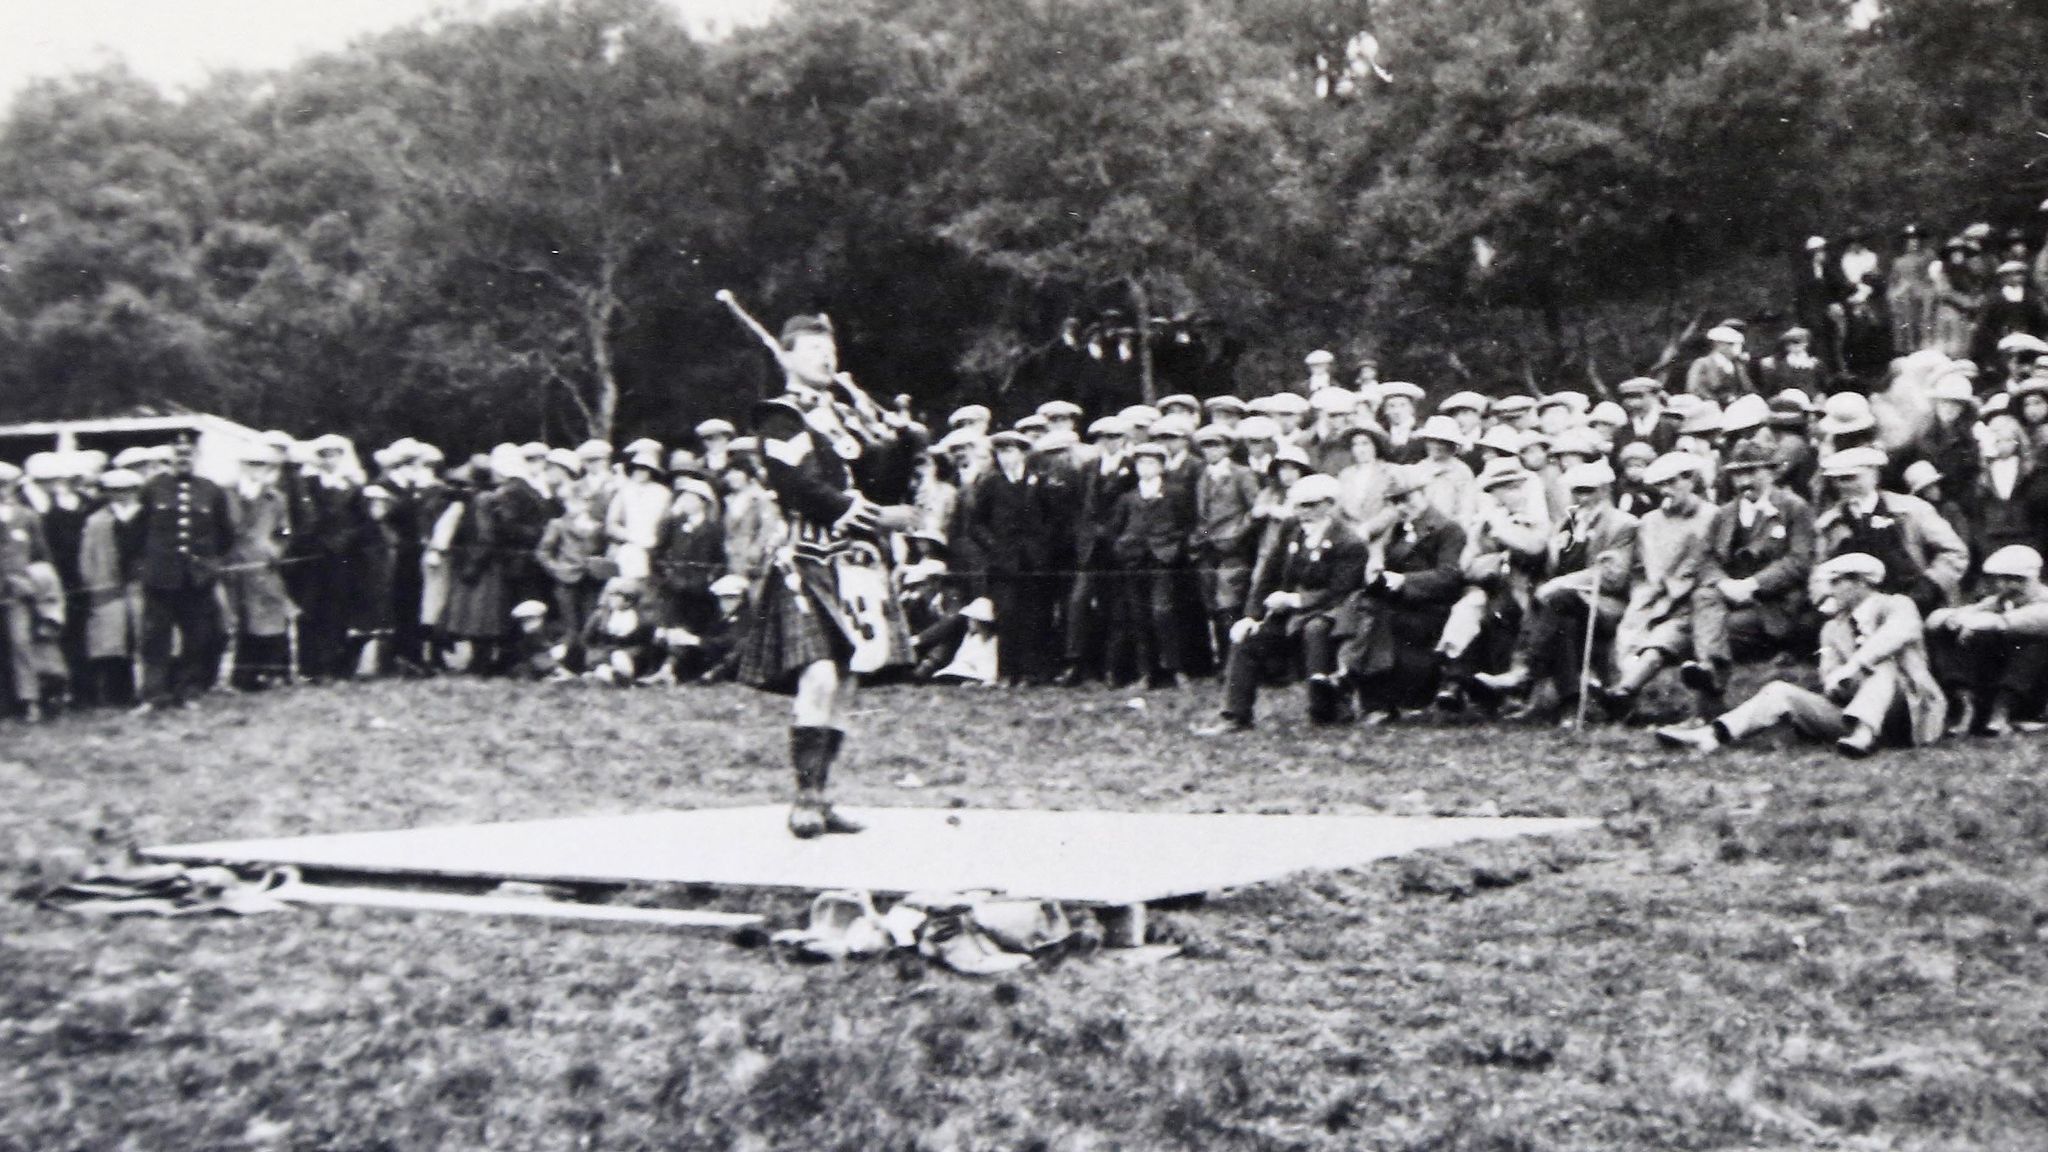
[{"x": 1775, "y": 948}]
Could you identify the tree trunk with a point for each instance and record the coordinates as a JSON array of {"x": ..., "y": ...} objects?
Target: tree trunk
[
  {"x": 1141, "y": 302},
  {"x": 601, "y": 307}
]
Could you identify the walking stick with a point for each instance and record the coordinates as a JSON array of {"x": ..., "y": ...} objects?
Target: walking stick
[{"x": 1586, "y": 654}]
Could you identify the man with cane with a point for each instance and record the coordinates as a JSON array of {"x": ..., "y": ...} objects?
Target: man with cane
[
  {"x": 826, "y": 613},
  {"x": 1587, "y": 568}
]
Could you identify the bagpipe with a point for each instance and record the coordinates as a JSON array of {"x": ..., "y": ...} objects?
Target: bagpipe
[{"x": 842, "y": 412}]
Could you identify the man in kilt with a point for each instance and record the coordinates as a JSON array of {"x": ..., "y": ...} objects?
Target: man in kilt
[{"x": 826, "y": 612}]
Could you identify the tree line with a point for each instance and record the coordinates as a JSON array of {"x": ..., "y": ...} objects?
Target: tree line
[{"x": 513, "y": 227}]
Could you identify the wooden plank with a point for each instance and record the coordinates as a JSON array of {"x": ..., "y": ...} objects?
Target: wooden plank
[{"x": 510, "y": 906}]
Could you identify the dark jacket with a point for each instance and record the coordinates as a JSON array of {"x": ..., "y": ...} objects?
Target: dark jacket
[
  {"x": 1327, "y": 576},
  {"x": 1150, "y": 533},
  {"x": 1777, "y": 553},
  {"x": 188, "y": 532},
  {"x": 1008, "y": 524}
]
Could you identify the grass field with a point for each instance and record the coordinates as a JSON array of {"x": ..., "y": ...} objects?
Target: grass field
[{"x": 1774, "y": 948}]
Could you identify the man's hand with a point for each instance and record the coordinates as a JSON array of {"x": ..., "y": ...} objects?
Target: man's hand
[
  {"x": 1737, "y": 591},
  {"x": 1392, "y": 581},
  {"x": 1242, "y": 630},
  {"x": 1841, "y": 680},
  {"x": 1283, "y": 601}
]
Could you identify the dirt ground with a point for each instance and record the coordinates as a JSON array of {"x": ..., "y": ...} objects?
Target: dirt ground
[{"x": 1770, "y": 949}]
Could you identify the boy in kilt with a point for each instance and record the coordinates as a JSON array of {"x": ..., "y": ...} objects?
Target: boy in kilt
[{"x": 826, "y": 612}]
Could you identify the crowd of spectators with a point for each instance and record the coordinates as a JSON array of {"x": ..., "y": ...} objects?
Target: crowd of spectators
[{"x": 1513, "y": 554}]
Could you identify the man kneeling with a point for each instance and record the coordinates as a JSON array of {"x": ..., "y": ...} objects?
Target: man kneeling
[
  {"x": 1306, "y": 601},
  {"x": 1875, "y": 681}
]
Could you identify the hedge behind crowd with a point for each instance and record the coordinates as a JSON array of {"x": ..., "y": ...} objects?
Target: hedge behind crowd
[{"x": 469, "y": 231}]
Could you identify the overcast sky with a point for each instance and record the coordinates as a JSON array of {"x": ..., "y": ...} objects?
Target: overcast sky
[{"x": 177, "y": 42}]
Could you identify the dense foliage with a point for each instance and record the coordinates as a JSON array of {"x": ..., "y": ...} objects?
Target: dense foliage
[{"x": 514, "y": 227}]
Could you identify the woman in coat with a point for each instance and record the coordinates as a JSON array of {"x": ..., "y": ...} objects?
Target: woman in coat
[
  {"x": 477, "y": 607},
  {"x": 689, "y": 554},
  {"x": 260, "y": 606},
  {"x": 109, "y": 573}
]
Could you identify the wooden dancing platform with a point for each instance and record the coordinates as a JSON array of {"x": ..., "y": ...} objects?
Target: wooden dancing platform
[{"x": 1099, "y": 858}]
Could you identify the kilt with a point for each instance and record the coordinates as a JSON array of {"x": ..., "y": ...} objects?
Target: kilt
[{"x": 801, "y": 622}]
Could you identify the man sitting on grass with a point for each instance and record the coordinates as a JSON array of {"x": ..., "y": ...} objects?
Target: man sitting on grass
[
  {"x": 1993, "y": 655},
  {"x": 1875, "y": 681}
]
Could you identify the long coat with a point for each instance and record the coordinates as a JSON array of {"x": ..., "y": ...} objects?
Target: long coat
[
  {"x": 1888, "y": 629},
  {"x": 1669, "y": 555},
  {"x": 254, "y": 582},
  {"x": 112, "y": 596}
]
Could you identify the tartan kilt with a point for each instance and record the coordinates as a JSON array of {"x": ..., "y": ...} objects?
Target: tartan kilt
[{"x": 799, "y": 626}]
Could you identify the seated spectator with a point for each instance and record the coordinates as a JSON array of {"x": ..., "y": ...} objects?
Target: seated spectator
[
  {"x": 978, "y": 651},
  {"x": 1922, "y": 556},
  {"x": 1665, "y": 563},
  {"x": 1992, "y": 655},
  {"x": 1751, "y": 597},
  {"x": 1303, "y": 603},
  {"x": 1504, "y": 545},
  {"x": 1876, "y": 684},
  {"x": 618, "y": 639},
  {"x": 1391, "y": 655},
  {"x": 706, "y": 654},
  {"x": 1586, "y": 571},
  {"x": 537, "y": 649}
]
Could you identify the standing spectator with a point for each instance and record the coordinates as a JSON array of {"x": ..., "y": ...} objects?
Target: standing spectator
[
  {"x": 1958, "y": 297},
  {"x": 1092, "y": 598},
  {"x": 372, "y": 615},
  {"x": 1793, "y": 366},
  {"x": 1224, "y": 534},
  {"x": 22, "y": 548},
  {"x": 520, "y": 512},
  {"x": 572, "y": 553},
  {"x": 64, "y": 514},
  {"x": 1009, "y": 532},
  {"x": 261, "y": 608},
  {"x": 2010, "y": 308},
  {"x": 934, "y": 495},
  {"x": 109, "y": 572},
  {"x": 633, "y": 520},
  {"x": 1817, "y": 294},
  {"x": 187, "y": 534},
  {"x": 1149, "y": 530},
  {"x": 1719, "y": 376},
  {"x": 329, "y": 536},
  {"x": 1909, "y": 293},
  {"x": 689, "y": 555},
  {"x": 477, "y": 607}
]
